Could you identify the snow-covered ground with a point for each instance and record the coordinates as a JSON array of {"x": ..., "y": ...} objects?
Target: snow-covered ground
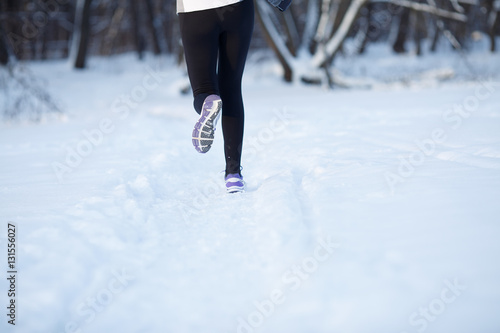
[{"x": 366, "y": 210}]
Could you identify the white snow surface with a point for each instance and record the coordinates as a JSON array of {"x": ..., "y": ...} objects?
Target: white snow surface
[{"x": 366, "y": 210}]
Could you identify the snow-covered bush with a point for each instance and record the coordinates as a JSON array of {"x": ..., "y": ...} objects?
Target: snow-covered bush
[{"x": 23, "y": 96}]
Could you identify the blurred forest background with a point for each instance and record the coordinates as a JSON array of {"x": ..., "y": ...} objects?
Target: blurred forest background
[
  {"x": 50, "y": 29},
  {"x": 305, "y": 39}
]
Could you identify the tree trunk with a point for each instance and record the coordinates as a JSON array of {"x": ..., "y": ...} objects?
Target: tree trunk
[
  {"x": 4, "y": 45},
  {"x": 13, "y": 37},
  {"x": 324, "y": 56},
  {"x": 4, "y": 53},
  {"x": 136, "y": 33},
  {"x": 341, "y": 7},
  {"x": 436, "y": 34},
  {"x": 325, "y": 26},
  {"x": 399, "y": 43},
  {"x": 419, "y": 30},
  {"x": 170, "y": 27},
  {"x": 82, "y": 32},
  {"x": 494, "y": 23},
  {"x": 291, "y": 32},
  {"x": 152, "y": 27},
  {"x": 311, "y": 25},
  {"x": 365, "y": 30},
  {"x": 274, "y": 41}
]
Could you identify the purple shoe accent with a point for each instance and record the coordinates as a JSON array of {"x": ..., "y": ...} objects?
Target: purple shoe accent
[
  {"x": 204, "y": 129},
  {"x": 234, "y": 183}
]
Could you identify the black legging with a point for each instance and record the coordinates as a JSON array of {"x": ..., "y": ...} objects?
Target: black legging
[{"x": 216, "y": 43}]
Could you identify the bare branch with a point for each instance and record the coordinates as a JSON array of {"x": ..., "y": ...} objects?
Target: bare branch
[
  {"x": 311, "y": 24},
  {"x": 324, "y": 54},
  {"x": 421, "y": 7},
  {"x": 291, "y": 32},
  {"x": 274, "y": 38}
]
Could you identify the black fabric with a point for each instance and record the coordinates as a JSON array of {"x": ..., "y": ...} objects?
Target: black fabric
[
  {"x": 198, "y": 101},
  {"x": 216, "y": 43}
]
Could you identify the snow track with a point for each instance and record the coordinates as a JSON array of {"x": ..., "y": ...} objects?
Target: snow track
[{"x": 355, "y": 215}]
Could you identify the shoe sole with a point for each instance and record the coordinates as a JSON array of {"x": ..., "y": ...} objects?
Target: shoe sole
[
  {"x": 235, "y": 189},
  {"x": 204, "y": 129}
]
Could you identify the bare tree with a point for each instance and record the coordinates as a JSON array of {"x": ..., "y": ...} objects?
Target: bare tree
[
  {"x": 133, "y": 7},
  {"x": 493, "y": 22},
  {"x": 5, "y": 51},
  {"x": 309, "y": 57},
  {"x": 402, "y": 31},
  {"x": 328, "y": 36},
  {"x": 152, "y": 25},
  {"x": 81, "y": 33}
]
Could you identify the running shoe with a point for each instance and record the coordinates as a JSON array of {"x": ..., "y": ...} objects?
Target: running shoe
[
  {"x": 203, "y": 133},
  {"x": 234, "y": 183}
]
